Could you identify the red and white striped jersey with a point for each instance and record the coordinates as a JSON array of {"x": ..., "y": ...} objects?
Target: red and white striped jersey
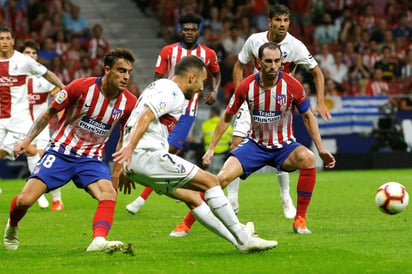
[
  {"x": 271, "y": 110},
  {"x": 14, "y": 72},
  {"x": 171, "y": 54},
  {"x": 88, "y": 118},
  {"x": 294, "y": 52}
]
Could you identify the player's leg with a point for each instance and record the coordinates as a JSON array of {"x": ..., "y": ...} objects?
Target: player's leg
[
  {"x": 303, "y": 159},
  {"x": 33, "y": 158},
  {"x": 102, "y": 190},
  {"x": 135, "y": 206},
  {"x": 42, "y": 141},
  {"x": 219, "y": 205},
  {"x": 57, "y": 204},
  {"x": 18, "y": 208},
  {"x": 289, "y": 209}
]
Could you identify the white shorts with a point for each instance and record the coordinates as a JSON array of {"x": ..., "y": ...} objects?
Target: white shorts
[
  {"x": 241, "y": 126},
  {"x": 159, "y": 169},
  {"x": 12, "y": 131}
]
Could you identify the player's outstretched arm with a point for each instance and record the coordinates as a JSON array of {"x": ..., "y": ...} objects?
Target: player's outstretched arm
[
  {"x": 39, "y": 124},
  {"x": 221, "y": 127},
  {"x": 141, "y": 126},
  {"x": 312, "y": 127}
]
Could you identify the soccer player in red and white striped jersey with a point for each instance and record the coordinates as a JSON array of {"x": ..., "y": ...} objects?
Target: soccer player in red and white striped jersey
[
  {"x": 92, "y": 108},
  {"x": 168, "y": 57},
  {"x": 272, "y": 95}
]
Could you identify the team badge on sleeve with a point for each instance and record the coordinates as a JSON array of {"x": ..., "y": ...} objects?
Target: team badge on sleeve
[
  {"x": 162, "y": 106},
  {"x": 61, "y": 96}
]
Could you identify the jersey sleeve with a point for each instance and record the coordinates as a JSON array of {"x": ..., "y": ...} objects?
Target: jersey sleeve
[
  {"x": 130, "y": 104},
  {"x": 35, "y": 67},
  {"x": 66, "y": 96},
  {"x": 162, "y": 61},
  {"x": 246, "y": 55},
  {"x": 304, "y": 57},
  {"x": 238, "y": 97},
  {"x": 213, "y": 65}
]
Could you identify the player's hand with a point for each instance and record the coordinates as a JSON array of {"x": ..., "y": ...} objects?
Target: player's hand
[
  {"x": 210, "y": 98},
  {"x": 126, "y": 184},
  {"x": 327, "y": 158},
  {"x": 123, "y": 155},
  {"x": 206, "y": 157},
  {"x": 20, "y": 148},
  {"x": 323, "y": 111}
]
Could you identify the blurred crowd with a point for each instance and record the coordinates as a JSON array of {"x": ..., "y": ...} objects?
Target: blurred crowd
[
  {"x": 363, "y": 47},
  {"x": 69, "y": 46}
]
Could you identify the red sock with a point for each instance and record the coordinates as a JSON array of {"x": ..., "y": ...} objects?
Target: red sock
[
  {"x": 190, "y": 219},
  {"x": 103, "y": 218},
  {"x": 16, "y": 214},
  {"x": 146, "y": 192},
  {"x": 306, "y": 183}
]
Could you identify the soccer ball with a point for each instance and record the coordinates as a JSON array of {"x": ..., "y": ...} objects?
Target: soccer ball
[{"x": 392, "y": 198}]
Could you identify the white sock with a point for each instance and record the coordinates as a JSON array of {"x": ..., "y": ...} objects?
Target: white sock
[
  {"x": 283, "y": 180},
  {"x": 56, "y": 195},
  {"x": 205, "y": 216},
  {"x": 220, "y": 206},
  {"x": 233, "y": 189},
  {"x": 32, "y": 161}
]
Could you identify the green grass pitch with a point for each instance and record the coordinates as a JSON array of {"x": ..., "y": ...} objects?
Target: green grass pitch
[{"x": 350, "y": 234}]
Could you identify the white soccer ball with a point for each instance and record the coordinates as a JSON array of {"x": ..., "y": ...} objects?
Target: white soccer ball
[{"x": 392, "y": 198}]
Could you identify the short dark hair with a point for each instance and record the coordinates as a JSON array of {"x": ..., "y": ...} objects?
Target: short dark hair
[
  {"x": 29, "y": 43},
  {"x": 269, "y": 45},
  {"x": 188, "y": 63},
  {"x": 190, "y": 18},
  {"x": 278, "y": 9},
  {"x": 7, "y": 29},
  {"x": 118, "y": 53}
]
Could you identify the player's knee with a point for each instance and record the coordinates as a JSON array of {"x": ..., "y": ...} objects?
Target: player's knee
[
  {"x": 24, "y": 201},
  {"x": 307, "y": 159}
]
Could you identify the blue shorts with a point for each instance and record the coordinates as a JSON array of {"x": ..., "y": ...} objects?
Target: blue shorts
[
  {"x": 56, "y": 170},
  {"x": 179, "y": 134},
  {"x": 253, "y": 157}
]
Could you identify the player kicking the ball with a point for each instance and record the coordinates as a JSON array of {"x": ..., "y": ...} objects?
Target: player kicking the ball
[{"x": 147, "y": 159}]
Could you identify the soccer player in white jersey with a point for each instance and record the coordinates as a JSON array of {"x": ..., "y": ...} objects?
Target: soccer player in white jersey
[
  {"x": 294, "y": 53},
  {"x": 147, "y": 160},
  {"x": 272, "y": 96},
  {"x": 15, "y": 117},
  {"x": 92, "y": 107},
  {"x": 168, "y": 57},
  {"x": 39, "y": 90}
]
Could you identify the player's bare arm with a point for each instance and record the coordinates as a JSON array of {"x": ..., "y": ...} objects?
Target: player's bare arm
[
  {"x": 136, "y": 133},
  {"x": 313, "y": 129},
  {"x": 39, "y": 124},
  {"x": 320, "y": 94},
  {"x": 52, "y": 78},
  {"x": 221, "y": 127},
  {"x": 211, "y": 97},
  {"x": 237, "y": 73}
]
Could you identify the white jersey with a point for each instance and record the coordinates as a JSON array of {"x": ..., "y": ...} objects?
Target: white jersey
[
  {"x": 13, "y": 90},
  {"x": 168, "y": 103},
  {"x": 294, "y": 52},
  {"x": 38, "y": 90}
]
